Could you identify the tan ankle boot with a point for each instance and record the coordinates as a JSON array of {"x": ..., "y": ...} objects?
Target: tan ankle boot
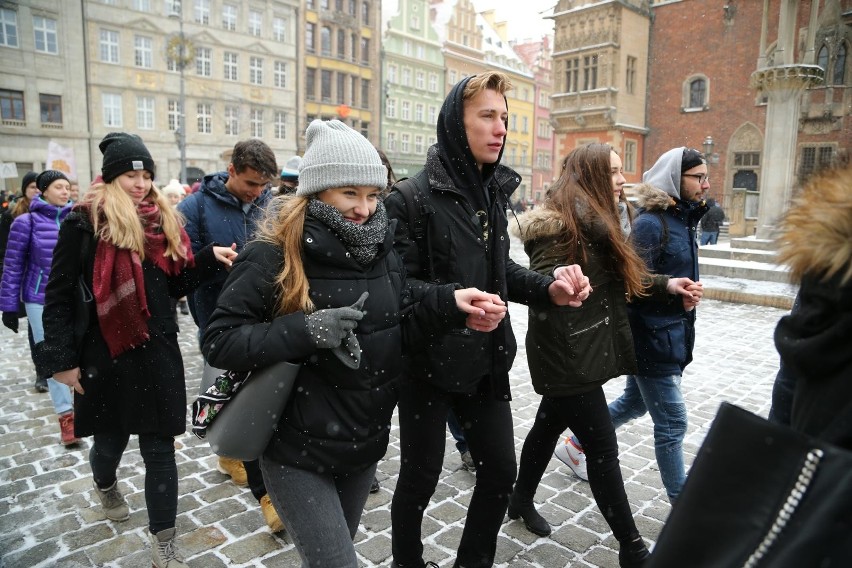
[{"x": 164, "y": 551}]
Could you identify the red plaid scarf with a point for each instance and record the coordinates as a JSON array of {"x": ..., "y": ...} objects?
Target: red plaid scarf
[{"x": 118, "y": 283}]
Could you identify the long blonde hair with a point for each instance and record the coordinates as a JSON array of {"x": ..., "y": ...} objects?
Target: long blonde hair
[
  {"x": 115, "y": 219},
  {"x": 283, "y": 225}
]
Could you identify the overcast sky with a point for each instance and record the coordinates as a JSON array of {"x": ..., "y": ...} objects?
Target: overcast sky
[{"x": 524, "y": 16}]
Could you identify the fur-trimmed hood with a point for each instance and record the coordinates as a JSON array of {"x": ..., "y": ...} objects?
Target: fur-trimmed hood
[
  {"x": 816, "y": 233},
  {"x": 537, "y": 224},
  {"x": 652, "y": 198}
]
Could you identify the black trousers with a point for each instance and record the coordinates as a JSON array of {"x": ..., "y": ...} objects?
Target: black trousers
[
  {"x": 588, "y": 417},
  {"x": 161, "y": 476},
  {"x": 255, "y": 479},
  {"x": 487, "y": 425}
]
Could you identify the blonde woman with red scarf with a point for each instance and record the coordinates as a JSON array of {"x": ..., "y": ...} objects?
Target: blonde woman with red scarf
[{"x": 122, "y": 254}]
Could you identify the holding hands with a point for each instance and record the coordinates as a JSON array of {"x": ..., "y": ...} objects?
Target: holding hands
[
  {"x": 571, "y": 287},
  {"x": 484, "y": 311},
  {"x": 226, "y": 255},
  {"x": 691, "y": 292}
]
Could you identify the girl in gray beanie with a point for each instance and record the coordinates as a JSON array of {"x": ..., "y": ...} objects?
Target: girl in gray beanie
[{"x": 323, "y": 286}]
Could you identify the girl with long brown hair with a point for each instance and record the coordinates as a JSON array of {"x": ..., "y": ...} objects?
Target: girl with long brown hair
[{"x": 573, "y": 351}]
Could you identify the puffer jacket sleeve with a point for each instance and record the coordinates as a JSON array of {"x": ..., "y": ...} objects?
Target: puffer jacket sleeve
[
  {"x": 647, "y": 235},
  {"x": 14, "y": 263},
  {"x": 242, "y": 333},
  {"x": 190, "y": 208},
  {"x": 526, "y": 286}
]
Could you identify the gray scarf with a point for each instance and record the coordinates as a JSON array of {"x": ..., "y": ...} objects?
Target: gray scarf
[{"x": 360, "y": 240}]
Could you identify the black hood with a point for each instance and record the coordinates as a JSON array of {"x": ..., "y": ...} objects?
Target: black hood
[{"x": 453, "y": 148}]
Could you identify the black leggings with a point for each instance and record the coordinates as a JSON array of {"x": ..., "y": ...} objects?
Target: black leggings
[
  {"x": 161, "y": 477},
  {"x": 588, "y": 417}
]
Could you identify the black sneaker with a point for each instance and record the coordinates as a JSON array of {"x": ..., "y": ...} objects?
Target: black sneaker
[
  {"x": 467, "y": 462},
  {"x": 41, "y": 385},
  {"x": 374, "y": 487}
]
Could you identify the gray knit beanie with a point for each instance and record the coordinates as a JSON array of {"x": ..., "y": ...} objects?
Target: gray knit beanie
[{"x": 337, "y": 156}]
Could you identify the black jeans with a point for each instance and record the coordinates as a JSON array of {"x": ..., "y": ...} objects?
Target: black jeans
[
  {"x": 588, "y": 417},
  {"x": 487, "y": 425},
  {"x": 161, "y": 477},
  {"x": 255, "y": 479}
]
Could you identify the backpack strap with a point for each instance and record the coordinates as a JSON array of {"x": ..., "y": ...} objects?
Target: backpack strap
[{"x": 414, "y": 191}]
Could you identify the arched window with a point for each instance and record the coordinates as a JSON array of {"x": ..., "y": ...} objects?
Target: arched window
[
  {"x": 697, "y": 93},
  {"x": 822, "y": 58},
  {"x": 840, "y": 65}
]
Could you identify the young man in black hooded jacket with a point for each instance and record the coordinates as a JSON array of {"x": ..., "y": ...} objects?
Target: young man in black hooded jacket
[{"x": 464, "y": 194}]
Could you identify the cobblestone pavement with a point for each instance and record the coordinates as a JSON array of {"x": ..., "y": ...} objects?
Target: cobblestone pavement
[{"x": 48, "y": 515}]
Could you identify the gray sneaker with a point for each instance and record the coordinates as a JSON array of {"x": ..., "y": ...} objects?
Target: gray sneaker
[
  {"x": 115, "y": 507},
  {"x": 164, "y": 551},
  {"x": 467, "y": 462}
]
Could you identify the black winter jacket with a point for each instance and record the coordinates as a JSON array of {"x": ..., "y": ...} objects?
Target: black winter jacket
[{"x": 337, "y": 419}]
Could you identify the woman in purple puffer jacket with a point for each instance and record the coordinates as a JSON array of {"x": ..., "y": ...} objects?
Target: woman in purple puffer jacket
[{"x": 26, "y": 267}]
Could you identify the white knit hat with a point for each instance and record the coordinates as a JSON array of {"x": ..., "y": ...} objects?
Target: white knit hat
[
  {"x": 175, "y": 187},
  {"x": 337, "y": 156}
]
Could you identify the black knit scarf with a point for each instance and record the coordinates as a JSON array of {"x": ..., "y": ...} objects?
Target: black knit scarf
[{"x": 360, "y": 240}]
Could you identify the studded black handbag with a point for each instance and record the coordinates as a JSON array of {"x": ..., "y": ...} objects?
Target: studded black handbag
[{"x": 760, "y": 494}]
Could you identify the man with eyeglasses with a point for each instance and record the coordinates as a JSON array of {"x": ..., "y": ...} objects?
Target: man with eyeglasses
[
  {"x": 225, "y": 210},
  {"x": 671, "y": 204}
]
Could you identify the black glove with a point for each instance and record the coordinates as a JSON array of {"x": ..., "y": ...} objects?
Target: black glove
[{"x": 10, "y": 320}]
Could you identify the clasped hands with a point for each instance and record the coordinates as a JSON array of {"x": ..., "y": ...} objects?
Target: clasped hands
[{"x": 689, "y": 291}]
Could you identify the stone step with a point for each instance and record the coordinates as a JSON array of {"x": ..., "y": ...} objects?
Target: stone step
[
  {"x": 725, "y": 251},
  {"x": 753, "y": 243},
  {"x": 747, "y": 269},
  {"x": 747, "y": 291}
]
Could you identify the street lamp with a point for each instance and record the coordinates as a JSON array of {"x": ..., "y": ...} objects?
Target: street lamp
[
  {"x": 708, "y": 146},
  {"x": 179, "y": 52}
]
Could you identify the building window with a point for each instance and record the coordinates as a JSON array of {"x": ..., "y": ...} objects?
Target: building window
[
  {"x": 750, "y": 159},
  {"x": 840, "y": 65},
  {"x": 406, "y": 47},
  {"x": 697, "y": 93},
  {"x": 406, "y": 77},
  {"x": 256, "y": 71},
  {"x": 405, "y": 143},
  {"x": 255, "y": 20},
  {"x": 365, "y": 93},
  {"x": 341, "y": 44},
  {"x": 420, "y": 80},
  {"x": 630, "y": 156},
  {"x": 544, "y": 129},
  {"x": 351, "y": 7},
  {"x": 311, "y": 84},
  {"x": 391, "y": 142},
  {"x": 572, "y": 75},
  {"x": 280, "y": 125},
  {"x": 390, "y": 108},
  {"x": 8, "y": 28},
  {"x": 814, "y": 159},
  {"x": 50, "y": 107},
  {"x": 544, "y": 99},
  {"x": 353, "y": 90},
  {"x": 109, "y": 46},
  {"x": 142, "y": 5},
  {"x": 630, "y": 78},
  {"x": 822, "y": 58},
  {"x": 279, "y": 29},
  {"x": 145, "y": 113},
  {"x": 525, "y": 124},
  {"x": 414, "y": 22},
  {"x": 205, "y": 118},
  {"x": 229, "y": 17},
  {"x": 341, "y": 88},
  {"x": 365, "y": 51},
  {"x": 391, "y": 73},
  {"x": 433, "y": 114},
  {"x": 112, "y": 109},
  {"x": 451, "y": 78},
  {"x": 310, "y": 32},
  {"x": 418, "y": 144},
  {"x": 325, "y": 41},
  {"x": 12, "y": 105},
  {"x": 230, "y": 60},
  {"x": 280, "y": 74},
  {"x": 353, "y": 50},
  {"x": 202, "y": 12},
  {"x": 590, "y": 72},
  {"x": 144, "y": 51},
  {"x": 513, "y": 121},
  {"x": 203, "y": 61},
  {"x": 433, "y": 83},
  {"x": 365, "y": 13},
  {"x": 174, "y": 114},
  {"x": 325, "y": 86},
  {"x": 421, "y": 52},
  {"x": 418, "y": 112},
  {"x": 256, "y": 119},
  {"x": 232, "y": 120},
  {"x": 44, "y": 30},
  {"x": 405, "y": 113},
  {"x": 173, "y": 7}
]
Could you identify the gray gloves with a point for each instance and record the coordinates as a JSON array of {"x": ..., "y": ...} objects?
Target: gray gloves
[{"x": 333, "y": 329}]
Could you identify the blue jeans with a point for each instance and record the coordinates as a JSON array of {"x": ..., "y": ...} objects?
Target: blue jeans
[
  {"x": 321, "y": 511},
  {"x": 709, "y": 237},
  {"x": 662, "y": 399},
  {"x": 457, "y": 432},
  {"x": 60, "y": 394}
]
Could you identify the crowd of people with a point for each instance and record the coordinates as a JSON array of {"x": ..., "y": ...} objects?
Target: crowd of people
[{"x": 386, "y": 306}]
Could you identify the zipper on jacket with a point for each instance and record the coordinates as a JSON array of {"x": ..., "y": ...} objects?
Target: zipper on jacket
[
  {"x": 604, "y": 321},
  {"x": 38, "y": 280}
]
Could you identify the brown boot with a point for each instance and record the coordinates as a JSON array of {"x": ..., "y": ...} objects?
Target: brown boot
[
  {"x": 233, "y": 468},
  {"x": 270, "y": 515},
  {"x": 66, "y": 429}
]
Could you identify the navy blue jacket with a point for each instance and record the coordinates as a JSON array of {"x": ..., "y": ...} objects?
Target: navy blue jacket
[{"x": 214, "y": 215}]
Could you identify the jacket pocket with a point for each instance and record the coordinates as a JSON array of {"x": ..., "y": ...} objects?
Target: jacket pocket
[
  {"x": 660, "y": 339},
  {"x": 457, "y": 360}
]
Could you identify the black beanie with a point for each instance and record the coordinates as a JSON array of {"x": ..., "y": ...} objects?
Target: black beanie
[
  {"x": 691, "y": 158},
  {"x": 29, "y": 177},
  {"x": 123, "y": 153},
  {"x": 47, "y": 177}
]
